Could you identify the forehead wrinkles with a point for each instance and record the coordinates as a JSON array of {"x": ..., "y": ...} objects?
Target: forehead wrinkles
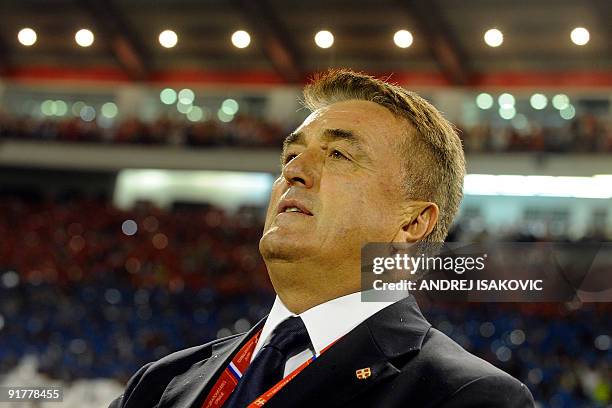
[{"x": 374, "y": 126}]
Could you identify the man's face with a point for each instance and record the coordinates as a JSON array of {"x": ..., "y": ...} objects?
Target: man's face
[{"x": 342, "y": 171}]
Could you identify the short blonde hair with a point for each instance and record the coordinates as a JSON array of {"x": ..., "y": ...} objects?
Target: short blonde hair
[{"x": 438, "y": 174}]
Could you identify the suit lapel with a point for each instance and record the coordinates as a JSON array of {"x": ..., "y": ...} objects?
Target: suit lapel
[
  {"x": 332, "y": 377},
  {"x": 189, "y": 389},
  {"x": 393, "y": 332}
]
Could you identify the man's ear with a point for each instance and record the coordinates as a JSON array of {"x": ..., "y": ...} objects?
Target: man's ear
[{"x": 422, "y": 218}]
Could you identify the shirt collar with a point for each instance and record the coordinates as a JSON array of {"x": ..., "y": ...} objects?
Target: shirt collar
[{"x": 326, "y": 322}]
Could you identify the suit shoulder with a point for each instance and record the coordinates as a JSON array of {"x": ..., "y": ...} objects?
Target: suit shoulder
[
  {"x": 441, "y": 353},
  {"x": 183, "y": 359},
  {"x": 449, "y": 372},
  {"x": 150, "y": 381},
  {"x": 501, "y": 391}
]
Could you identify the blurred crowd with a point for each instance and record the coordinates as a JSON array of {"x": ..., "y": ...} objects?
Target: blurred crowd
[
  {"x": 243, "y": 130},
  {"x": 586, "y": 133},
  {"x": 562, "y": 352},
  {"x": 93, "y": 298},
  {"x": 61, "y": 242},
  {"x": 95, "y": 292}
]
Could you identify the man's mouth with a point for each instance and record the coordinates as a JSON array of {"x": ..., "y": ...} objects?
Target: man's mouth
[
  {"x": 293, "y": 206},
  {"x": 293, "y": 209}
]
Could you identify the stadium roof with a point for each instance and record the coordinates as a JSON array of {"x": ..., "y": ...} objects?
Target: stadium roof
[{"x": 448, "y": 45}]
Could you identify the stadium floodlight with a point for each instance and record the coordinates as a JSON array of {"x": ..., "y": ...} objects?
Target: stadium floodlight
[
  {"x": 324, "y": 39},
  {"x": 224, "y": 188},
  {"x": 186, "y": 96},
  {"x": 507, "y": 112},
  {"x": 230, "y": 107},
  {"x": 129, "y": 227},
  {"x": 88, "y": 113},
  {"x": 241, "y": 39},
  {"x": 84, "y": 37},
  {"x": 184, "y": 107},
  {"x": 568, "y": 112},
  {"x": 195, "y": 114},
  {"x": 109, "y": 110},
  {"x": 27, "y": 36},
  {"x": 560, "y": 101},
  {"x": 506, "y": 100},
  {"x": 168, "y": 96},
  {"x": 580, "y": 36},
  {"x": 598, "y": 187},
  {"x": 484, "y": 101},
  {"x": 520, "y": 121},
  {"x": 538, "y": 101},
  {"x": 76, "y": 108},
  {"x": 61, "y": 108},
  {"x": 224, "y": 117},
  {"x": 47, "y": 108},
  {"x": 403, "y": 38},
  {"x": 168, "y": 39},
  {"x": 493, "y": 37}
]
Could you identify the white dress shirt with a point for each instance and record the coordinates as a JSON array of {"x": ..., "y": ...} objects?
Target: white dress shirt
[{"x": 325, "y": 324}]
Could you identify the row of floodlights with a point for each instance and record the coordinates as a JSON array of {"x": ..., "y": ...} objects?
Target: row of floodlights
[
  {"x": 184, "y": 100},
  {"x": 323, "y": 39},
  {"x": 538, "y": 101},
  {"x": 494, "y": 37},
  {"x": 79, "y": 109}
]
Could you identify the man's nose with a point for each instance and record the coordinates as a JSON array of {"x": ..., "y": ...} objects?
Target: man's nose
[{"x": 302, "y": 169}]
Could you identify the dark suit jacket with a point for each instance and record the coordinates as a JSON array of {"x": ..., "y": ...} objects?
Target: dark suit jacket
[{"x": 412, "y": 365}]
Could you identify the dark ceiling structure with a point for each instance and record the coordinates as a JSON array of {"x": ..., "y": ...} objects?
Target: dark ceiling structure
[{"x": 448, "y": 38}]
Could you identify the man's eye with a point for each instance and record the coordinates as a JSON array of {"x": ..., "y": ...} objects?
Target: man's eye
[
  {"x": 289, "y": 157},
  {"x": 337, "y": 155}
]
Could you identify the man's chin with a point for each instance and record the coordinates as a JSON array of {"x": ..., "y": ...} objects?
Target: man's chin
[{"x": 274, "y": 247}]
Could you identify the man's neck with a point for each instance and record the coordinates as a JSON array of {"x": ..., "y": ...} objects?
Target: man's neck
[{"x": 301, "y": 286}]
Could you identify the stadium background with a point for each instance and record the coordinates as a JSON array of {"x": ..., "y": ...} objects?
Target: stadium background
[{"x": 135, "y": 166}]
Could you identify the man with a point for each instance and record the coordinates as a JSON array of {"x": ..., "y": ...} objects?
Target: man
[{"x": 372, "y": 163}]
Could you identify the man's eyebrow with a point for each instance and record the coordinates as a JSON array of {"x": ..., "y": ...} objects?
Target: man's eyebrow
[
  {"x": 294, "y": 138},
  {"x": 330, "y": 135}
]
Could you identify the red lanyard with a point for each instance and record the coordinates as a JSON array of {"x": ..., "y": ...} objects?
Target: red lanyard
[{"x": 228, "y": 380}]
